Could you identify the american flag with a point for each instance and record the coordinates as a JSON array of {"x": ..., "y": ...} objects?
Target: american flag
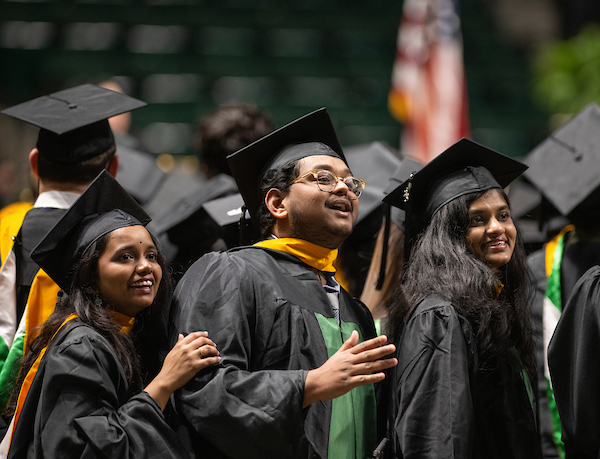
[{"x": 429, "y": 94}]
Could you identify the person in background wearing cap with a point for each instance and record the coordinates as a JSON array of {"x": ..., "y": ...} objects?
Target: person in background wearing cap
[
  {"x": 299, "y": 354},
  {"x": 463, "y": 384},
  {"x": 186, "y": 225},
  {"x": 387, "y": 262},
  {"x": 564, "y": 168},
  {"x": 74, "y": 144},
  {"x": 574, "y": 368},
  {"x": 81, "y": 383},
  {"x": 138, "y": 171}
]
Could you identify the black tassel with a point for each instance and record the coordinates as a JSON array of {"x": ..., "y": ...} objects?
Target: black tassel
[
  {"x": 384, "y": 250},
  {"x": 242, "y": 226}
]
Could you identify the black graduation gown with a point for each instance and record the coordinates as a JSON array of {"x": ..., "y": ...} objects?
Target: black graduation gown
[
  {"x": 80, "y": 405},
  {"x": 259, "y": 307},
  {"x": 577, "y": 258},
  {"x": 444, "y": 405},
  {"x": 537, "y": 266},
  {"x": 573, "y": 358}
]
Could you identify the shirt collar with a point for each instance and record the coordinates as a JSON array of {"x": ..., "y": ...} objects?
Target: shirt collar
[{"x": 56, "y": 199}]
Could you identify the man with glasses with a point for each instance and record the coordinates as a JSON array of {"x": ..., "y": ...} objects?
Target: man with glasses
[{"x": 299, "y": 354}]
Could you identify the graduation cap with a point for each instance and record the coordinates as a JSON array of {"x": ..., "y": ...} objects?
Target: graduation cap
[
  {"x": 375, "y": 164},
  {"x": 227, "y": 213},
  {"x": 394, "y": 214},
  {"x": 104, "y": 207},
  {"x": 464, "y": 168},
  {"x": 403, "y": 172},
  {"x": 185, "y": 211},
  {"x": 74, "y": 122},
  {"x": 313, "y": 134},
  {"x": 565, "y": 167},
  {"x": 138, "y": 173}
]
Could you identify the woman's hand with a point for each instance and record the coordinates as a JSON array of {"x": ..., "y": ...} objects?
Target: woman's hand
[
  {"x": 351, "y": 366},
  {"x": 189, "y": 355}
]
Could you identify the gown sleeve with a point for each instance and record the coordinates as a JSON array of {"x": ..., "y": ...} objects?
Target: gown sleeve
[
  {"x": 433, "y": 387},
  {"x": 250, "y": 405},
  {"x": 575, "y": 367},
  {"x": 83, "y": 409}
]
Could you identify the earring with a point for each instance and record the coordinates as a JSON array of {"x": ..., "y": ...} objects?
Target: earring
[{"x": 98, "y": 300}]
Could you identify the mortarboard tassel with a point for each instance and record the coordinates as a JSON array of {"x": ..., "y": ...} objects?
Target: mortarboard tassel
[{"x": 384, "y": 249}]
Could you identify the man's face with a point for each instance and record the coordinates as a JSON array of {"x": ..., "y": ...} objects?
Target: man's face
[{"x": 320, "y": 217}]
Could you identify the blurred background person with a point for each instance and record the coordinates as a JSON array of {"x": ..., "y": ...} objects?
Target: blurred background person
[
  {"x": 138, "y": 172},
  {"x": 185, "y": 227},
  {"x": 387, "y": 263},
  {"x": 564, "y": 168}
]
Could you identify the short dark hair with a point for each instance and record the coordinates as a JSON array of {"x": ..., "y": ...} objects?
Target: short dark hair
[
  {"x": 282, "y": 180},
  {"x": 81, "y": 172},
  {"x": 226, "y": 130}
]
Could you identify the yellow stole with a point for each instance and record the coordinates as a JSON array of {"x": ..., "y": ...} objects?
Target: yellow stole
[
  {"x": 31, "y": 374},
  {"x": 126, "y": 323},
  {"x": 315, "y": 256},
  {"x": 11, "y": 220},
  {"x": 40, "y": 304},
  {"x": 551, "y": 248}
]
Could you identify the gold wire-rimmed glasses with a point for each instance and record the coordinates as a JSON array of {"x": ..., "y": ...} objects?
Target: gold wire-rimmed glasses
[{"x": 326, "y": 181}]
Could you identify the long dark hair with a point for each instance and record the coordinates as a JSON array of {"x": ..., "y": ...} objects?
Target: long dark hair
[
  {"x": 139, "y": 352},
  {"x": 442, "y": 264}
]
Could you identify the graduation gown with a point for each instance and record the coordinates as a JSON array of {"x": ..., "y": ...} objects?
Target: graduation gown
[
  {"x": 575, "y": 368},
  {"x": 36, "y": 225},
  {"x": 80, "y": 405},
  {"x": 266, "y": 312},
  {"x": 574, "y": 260},
  {"x": 444, "y": 404},
  {"x": 537, "y": 265},
  {"x": 19, "y": 277}
]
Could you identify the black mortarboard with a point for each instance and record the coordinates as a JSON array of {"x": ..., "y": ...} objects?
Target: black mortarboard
[
  {"x": 402, "y": 173},
  {"x": 104, "y": 207},
  {"x": 138, "y": 173},
  {"x": 74, "y": 122},
  {"x": 313, "y": 134},
  {"x": 227, "y": 213},
  {"x": 185, "y": 212},
  {"x": 394, "y": 214},
  {"x": 565, "y": 167},
  {"x": 375, "y": 164},
  {"x": 464, "y": 168}
]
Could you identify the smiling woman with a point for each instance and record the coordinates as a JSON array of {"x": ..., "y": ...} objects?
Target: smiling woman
[
  {"x": 128, "y": 270},
  {"x": 80, "y": 387},
  {"x": 462, "y": 387},
  {"x": 491, "y": 234}
]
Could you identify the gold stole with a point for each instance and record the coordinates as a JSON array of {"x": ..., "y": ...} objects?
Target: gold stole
[{"x": 315, "y": 256}]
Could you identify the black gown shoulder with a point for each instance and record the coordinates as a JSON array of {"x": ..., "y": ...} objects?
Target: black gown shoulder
[{"x": 80, "y": 405}]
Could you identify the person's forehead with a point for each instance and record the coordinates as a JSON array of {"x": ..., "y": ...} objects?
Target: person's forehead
[
  {"x": 323, "y": 162},
  {"x": 129, "y": 233},
  {"x": 491, "y": 197}
]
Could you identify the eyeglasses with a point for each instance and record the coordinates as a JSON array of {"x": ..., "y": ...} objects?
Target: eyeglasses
[{"x": 326, "y": 181}]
